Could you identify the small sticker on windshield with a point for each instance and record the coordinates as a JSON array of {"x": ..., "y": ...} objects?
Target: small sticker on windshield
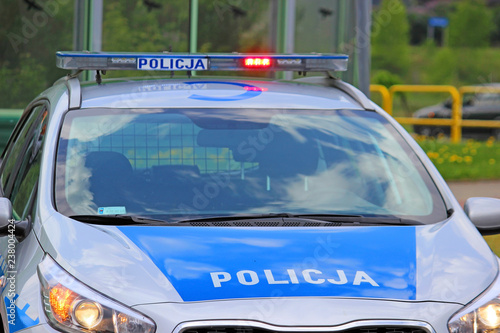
[{"x": 111, "y": 210}]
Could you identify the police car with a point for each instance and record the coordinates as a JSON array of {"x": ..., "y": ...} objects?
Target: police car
[{"x": 231, "y": 205}]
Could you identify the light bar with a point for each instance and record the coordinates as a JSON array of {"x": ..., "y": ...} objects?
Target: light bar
[{"x": 200, "y": 62}]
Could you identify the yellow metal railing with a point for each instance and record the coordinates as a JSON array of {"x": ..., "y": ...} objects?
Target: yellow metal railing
[
  {"x": 456, "y": 122},
  {"x": 384, "y": 93},
  {"x": 456, "y": 109}
]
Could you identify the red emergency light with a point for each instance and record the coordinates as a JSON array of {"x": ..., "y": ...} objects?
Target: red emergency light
[{"x": 257, "y": 62}]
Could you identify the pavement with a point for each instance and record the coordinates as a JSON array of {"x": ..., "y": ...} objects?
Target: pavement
[{"x": 484, "y": 188}]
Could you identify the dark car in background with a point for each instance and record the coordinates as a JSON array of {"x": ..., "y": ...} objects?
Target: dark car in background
[{"x": 480, "y": 106}]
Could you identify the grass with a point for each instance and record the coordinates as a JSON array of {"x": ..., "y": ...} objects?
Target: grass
[
  {"x": 494, "y": 243},
  {"x": 467, "y": 160}
]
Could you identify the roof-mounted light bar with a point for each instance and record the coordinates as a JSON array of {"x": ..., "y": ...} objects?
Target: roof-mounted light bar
[{"x": 201, "y": 62}]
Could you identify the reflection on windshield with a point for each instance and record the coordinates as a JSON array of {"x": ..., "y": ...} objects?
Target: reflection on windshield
[{"x": 226, "y": 162}]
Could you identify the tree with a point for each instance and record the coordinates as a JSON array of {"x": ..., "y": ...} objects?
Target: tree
[
  {"x": 442, "y": 69},
  {"x": 390, "y": 37},
  {"x": 31, "y": 37},
  {"x": 233, "y": 26},
  {"x": 27, "y": 49},
  {"x": 471, "y": 24}
]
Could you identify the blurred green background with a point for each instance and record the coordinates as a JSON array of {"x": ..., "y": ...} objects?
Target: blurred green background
[{"x": 403, "y": 48}]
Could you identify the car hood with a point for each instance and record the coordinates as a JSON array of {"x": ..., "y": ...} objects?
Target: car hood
[{"x": 152, "y": 264}]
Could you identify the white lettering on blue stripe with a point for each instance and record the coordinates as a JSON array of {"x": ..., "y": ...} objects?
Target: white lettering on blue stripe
[
  {"x": 307, "y": 276},
  {"x": 271, "y": 280},
  {"x": 172, "y": 64},
  {"x": 310, "y": 276},
  {"x": 293, "y": 276},
  {"x": 363, "y": 277},
  {"x": 218, "y": 277},
  {"x": 254, "y": 278},
  {"x": 342, "y": 278}
]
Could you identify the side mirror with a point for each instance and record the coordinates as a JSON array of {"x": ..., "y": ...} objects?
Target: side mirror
[
  {"x": 485, "y": 214},
  {"x": 5, "y": 213},
  {"x": 21, "y": 229}
]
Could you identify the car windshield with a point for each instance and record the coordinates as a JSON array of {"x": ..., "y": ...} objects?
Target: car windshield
[{"x": 179, "y": 163}]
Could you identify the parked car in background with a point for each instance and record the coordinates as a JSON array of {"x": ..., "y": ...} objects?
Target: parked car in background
[{"x": 480, "y": 106}]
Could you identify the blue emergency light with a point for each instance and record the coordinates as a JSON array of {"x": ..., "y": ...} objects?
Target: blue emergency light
[{"x": 200, "y": 62}]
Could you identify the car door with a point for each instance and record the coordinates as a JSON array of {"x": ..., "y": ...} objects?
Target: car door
[{"x": 19, "y": 174}]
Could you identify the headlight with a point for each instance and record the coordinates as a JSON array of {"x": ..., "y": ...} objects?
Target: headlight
[
  {"x": 72, "y": 306},
  {"x": 481, "y": 316}
]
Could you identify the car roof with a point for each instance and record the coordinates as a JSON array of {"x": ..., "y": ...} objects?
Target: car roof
[{"x": 207, "y": 92}]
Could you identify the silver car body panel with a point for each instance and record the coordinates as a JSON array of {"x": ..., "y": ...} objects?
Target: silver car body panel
[
  {"x": 108, "y": 261},
  {"x": 315, "y": 315},
  {"x": 211, "y": 93}
]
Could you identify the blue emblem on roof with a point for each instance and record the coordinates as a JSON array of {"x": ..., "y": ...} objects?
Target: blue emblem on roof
[{"x": 250, "y": 91}]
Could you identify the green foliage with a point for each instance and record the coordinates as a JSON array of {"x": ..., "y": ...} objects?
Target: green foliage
[
  {"x": 471, "y": 24},
  {"x": 20, "y": 81},
  {"x": 495, "y": 36},
  {"x": 463, "y": 66},
  {"x": 494, "y": 243},
  {"x": 130, "y": 26},
  {"x": 390, "y": 37},
  {"x": 31, "y": 38},
  {"x": 223, "y": 28},
  {"x": 442, "y": 68},
  {"x": 385, "y": 78},
  {"x": 27, "y": 49}
]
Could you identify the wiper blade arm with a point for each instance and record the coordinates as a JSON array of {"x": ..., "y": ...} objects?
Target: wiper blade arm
[
  {"x": 317, "y": 217},
  {"x": 339, "y": 218},
  {"x": 236, "y": 217},
  {"x": 390, "y": 220},
  {"x": 116, "y": 219}
]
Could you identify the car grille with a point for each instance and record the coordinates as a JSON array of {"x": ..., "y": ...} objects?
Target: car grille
[{"x": 361, "y": 329}]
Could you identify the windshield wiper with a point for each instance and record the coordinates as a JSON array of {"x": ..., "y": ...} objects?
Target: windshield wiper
[
  {"x": 116, "y": 219},
  {"x": 390, "y": 220},
  {"x": 339, "y": 218},
  {"x": 236, "y": 217}
]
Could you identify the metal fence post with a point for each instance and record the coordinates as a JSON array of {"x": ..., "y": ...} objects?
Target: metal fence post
[
  {"x": 455, "y": 122},
  {"x": 87, "y": 30}
]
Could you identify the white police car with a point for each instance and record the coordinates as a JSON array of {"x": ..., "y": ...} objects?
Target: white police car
[{"x": 205, "y": 205}]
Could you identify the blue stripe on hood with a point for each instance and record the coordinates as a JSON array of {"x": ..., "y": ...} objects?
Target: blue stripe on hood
[{"x": 209, "y": 263}]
